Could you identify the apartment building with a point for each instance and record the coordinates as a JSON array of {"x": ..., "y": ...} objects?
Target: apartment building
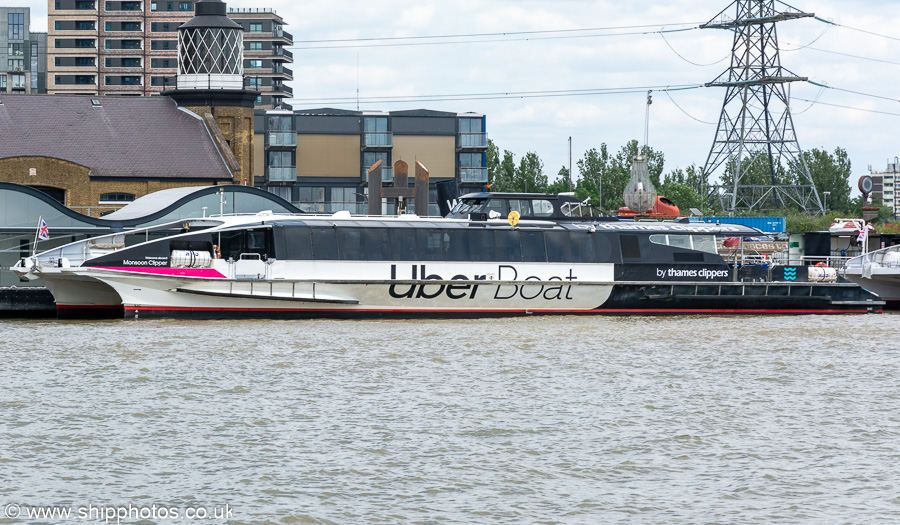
[
  {"x": 129, "y": 48},
  {"x": 884, "y": 185},
  {"x": 23, "y": 54},
  {"x": 265, "y": 56},
  {"x": 318, "y": 159}
]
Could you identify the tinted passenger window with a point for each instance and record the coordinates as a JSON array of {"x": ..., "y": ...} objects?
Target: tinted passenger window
[
  {"x": 481, "y": 245},
  {"x": 506, "y": 246},
  {"x": 582, "y": 246},
  {"x": 377, "y": 244},
  {"x": 296, "y": 244},
  {"x": 521, "y": 206},
  {"x": 324, "y": 243},
  {"x": 631, "y": 248},
  {"x": 558, "y": 247},
  {"x": 403, "y": 245},
  {"x": 430, "y": 244},
  {"x": 533, "y": 246},
  {"x": 456, "y": 245},
  {"x": 351, "y": 244}
]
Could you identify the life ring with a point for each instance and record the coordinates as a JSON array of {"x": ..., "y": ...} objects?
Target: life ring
[{"x": 217, "y": 254}]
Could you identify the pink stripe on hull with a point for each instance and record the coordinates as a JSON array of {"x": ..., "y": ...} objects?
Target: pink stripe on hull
[{"x": 206, "y": 273}]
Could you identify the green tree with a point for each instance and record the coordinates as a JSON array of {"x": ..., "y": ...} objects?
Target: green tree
[
  {"x": 561, "y": 184},
  {"x": 683, "y": 187},
  {"x": 594, "y": 169},
  {"x": 493, "y": 161},
  {"x": 830, "y": 173},
  {"x": 529, "y": 176},
  {"x": 504, "y": 173}
]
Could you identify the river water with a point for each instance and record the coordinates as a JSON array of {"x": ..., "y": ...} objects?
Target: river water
[{"x": 533, "y": 420}]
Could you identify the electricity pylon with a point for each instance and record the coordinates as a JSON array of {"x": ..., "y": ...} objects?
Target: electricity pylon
[{"x": 756, "y": 132}]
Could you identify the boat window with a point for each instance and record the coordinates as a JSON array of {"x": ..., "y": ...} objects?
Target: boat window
[
  {"x": 256, "y": 242},
  {"x": 377, "y": 244},
  {"x": 350, "y": 240},
  {"x": 542, "y": 208},
  {"x": 456, "y": 245},
  {"x": 533, "y": 246},
  {"x": 522, "y": 206},
  {"x": 324, "y": 243},
  {"x": 403, "y": 244},
  {"x": 631, "y": 246},
  {"x": 558, "y": 247},
  {"x": 499, "y": 206},
  {"x": 582, "y": 247},
  {"x": 705, "y": 243},
  {"x": 430, "y": 245},
  {"x": 481, "y": 245},
  {"x": 506, "y": 244},
  {"x": 296, "y": 244}
]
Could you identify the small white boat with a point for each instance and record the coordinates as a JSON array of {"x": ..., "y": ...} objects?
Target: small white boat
[
  {"x": 878, "y": 272},
  {"x": 849, "y": 226}
]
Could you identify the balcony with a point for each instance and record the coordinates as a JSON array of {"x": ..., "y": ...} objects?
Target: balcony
[
  {"x": 378, "y": 139},
  {"x": 282, "y": 173},
  {"x": 280, "y": 52},
  {"x": 471, "y": 141},
  {"x": 476, "y": 175},
  {"x": 281, "y": 139}
]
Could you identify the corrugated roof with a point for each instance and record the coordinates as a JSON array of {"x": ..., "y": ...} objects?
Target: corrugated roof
[{"x": 123, "y": 137}]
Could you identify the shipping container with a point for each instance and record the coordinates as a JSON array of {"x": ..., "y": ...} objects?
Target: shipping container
[{"x": 764, "y": 224}]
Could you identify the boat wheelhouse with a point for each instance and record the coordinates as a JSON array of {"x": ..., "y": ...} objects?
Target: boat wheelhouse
[{"x": 290, "y": 266}]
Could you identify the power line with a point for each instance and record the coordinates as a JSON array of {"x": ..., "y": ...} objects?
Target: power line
[
  {"x": 417, "y": 44},
  {"x": 854, "y": 92},
  {"x": 480, "y": 35},
  {"x": 685, "y": 112},
  {"x": 685, "y": 59},
  {"x": 856, "y": 29},
  {"x": 496, "y": 95},
  {"x": 844, "y": 55},
  {"x": 848, "y": 107}
]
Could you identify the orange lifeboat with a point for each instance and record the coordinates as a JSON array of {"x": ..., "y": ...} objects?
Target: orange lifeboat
[{"x": 663, "y": 208}]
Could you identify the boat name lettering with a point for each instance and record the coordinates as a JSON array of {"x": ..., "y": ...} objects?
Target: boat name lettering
[
  {"x": 534, "y": 289},
  {"x": 703, "y": 274},
  {"x": 145, "y": 263}
]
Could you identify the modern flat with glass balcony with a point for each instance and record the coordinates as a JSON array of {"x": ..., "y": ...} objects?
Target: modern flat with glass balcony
[
  {"x": 319, "y": 158},
  {"x": 23, "y": 53},
  {"x": 130, "y": 48}
]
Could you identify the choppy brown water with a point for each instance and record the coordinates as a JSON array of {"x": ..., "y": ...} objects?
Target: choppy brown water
[{"x": 543, "y": 420}]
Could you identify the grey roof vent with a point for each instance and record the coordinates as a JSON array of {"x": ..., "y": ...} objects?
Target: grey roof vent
[{"x": 95, "y": 102}]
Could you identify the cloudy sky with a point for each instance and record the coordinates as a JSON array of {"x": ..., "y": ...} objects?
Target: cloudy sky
[{"x": 555, "y": 53}]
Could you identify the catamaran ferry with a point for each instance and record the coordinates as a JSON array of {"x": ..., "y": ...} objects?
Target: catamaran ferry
[{"x": 476, "y": 265}]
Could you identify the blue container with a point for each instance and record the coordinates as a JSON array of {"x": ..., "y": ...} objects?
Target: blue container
[{"x": 764, "y": 224}]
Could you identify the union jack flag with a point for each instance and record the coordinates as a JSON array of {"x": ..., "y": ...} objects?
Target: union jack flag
[{"x": 43, "y": 231}]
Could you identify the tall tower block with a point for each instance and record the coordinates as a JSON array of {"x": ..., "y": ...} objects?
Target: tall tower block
[{"x": 210, "y": 82}]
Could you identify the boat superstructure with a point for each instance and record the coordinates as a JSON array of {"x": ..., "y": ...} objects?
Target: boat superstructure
[
  {"x": 296, "y": 266},
  {"x": 878, "y": 271}
]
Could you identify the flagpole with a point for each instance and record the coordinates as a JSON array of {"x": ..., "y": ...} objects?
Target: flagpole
[{"x": 37, "y": 232}]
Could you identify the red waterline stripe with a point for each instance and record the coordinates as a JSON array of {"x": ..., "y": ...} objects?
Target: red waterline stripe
[
  {"x": 487, "y": 311},
  {"x": 170, "y": 272}
]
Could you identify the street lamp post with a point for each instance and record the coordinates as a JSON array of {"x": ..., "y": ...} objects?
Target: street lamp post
[{"x": 600, "y": 189}]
